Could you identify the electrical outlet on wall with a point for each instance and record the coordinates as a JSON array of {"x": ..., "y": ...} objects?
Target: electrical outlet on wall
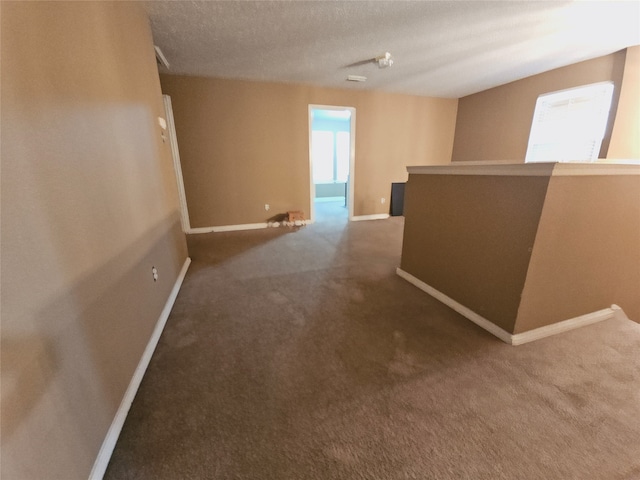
[
  {"x": 154, "y": 272},
  {"x": 267, "y": 207},
  {"x": 382, "y": 200}
]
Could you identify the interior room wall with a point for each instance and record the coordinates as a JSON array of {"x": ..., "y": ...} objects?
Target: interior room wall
[
  {"x": 89, "y": 205},
  {"x": 586, "y": 255},
  {"x": 494, "y": 125},
  {"x": 474, "y": 251},
  {"x": 527, "y": 251},
  {"x": 625, "y": 137},
  {"x": 244, "y": 144}
]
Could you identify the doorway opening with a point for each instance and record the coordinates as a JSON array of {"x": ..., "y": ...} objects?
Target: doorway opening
[{"x": 331, "y": 161}]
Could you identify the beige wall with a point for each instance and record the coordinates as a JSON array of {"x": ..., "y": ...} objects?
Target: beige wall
[
  {"x": 587, "y": 251},
  {"x": 527, "y": 251},
  {"x": 470, "y": 237},
  {"x": 244, "y": 144},
  {"x": 625, "y": 137},
  {"x": 495, "y": 124},
  {"x": 89, "y": 205}
]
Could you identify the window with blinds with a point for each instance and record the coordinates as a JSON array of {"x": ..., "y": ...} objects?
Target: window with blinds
[
  {"x": 569, "y": 125},
  {"x": 331, "y": 153}
]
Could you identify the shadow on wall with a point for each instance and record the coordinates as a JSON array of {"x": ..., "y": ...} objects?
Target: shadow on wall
[
  {"x": 95, "y": 334},
  {"x": 29, "y": 364}
]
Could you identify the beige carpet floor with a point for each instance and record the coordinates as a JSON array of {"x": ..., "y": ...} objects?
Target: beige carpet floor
[{"x": 299, "y": 354}]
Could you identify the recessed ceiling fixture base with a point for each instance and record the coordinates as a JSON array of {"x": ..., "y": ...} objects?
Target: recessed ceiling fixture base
[
  {"x": 356, "y": 78},
  {"x": 385, "y": 60}
]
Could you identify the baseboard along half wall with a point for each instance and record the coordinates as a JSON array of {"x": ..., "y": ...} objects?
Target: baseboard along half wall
[
  {"x": 512, "y": 339},
  {"x": 109, "y": 443},
  {"x": 564, "y": 326}
]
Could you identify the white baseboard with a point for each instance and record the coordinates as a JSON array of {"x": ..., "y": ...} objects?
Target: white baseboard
[
  {"x": 461, "y": 309},
  {"x": 109, "y": 443},
  {"x": 563, "y": 326},
  {"x": 377, "y": 216},
  {"x": 518, "y": 338},
  {"x": 199, "y": 230},
  {"x": 235, "y": 228},
  {"x": 229, "y": 228}
]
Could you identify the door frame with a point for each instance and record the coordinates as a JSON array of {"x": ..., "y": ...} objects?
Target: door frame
[
  {"x": 177, "y": 166},
  {"x": 352, "y": 158}
]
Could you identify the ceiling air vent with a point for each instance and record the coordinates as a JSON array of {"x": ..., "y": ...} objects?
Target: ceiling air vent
[
  {"x": 160, "y": 58},
  {"x": 356, "y": 78}
]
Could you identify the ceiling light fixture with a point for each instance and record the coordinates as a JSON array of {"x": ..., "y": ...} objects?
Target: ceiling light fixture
[
  {"x": 356, "y": 78},
  {"x": 384, "y": 60}
]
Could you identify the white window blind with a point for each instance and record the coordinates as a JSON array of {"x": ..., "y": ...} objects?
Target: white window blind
[
  {"x": 330, "y": 152},
  {"x": 343, "y": 153},
  {"x": 569, "y": 125},
  {"x": 322, "y": 152}
]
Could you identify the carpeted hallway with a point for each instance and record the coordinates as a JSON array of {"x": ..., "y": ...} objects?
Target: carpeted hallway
[{"x": 299, "y": 354}]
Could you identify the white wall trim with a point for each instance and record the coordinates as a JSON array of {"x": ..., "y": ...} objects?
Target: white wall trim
[
  {"x": 512, "y": 339},
  {"x": 229, "y": 228},
  {"x": 596, "y": 168},
  {"x": 563, "y": 326},
  {"x": 461, "y": 309},
  {"x": 175, "y": 154},
  {"x": 200, "y": 230},
  {"x": 540, "y": 169},
  {"x": 533, "y": 169},
  {"x": 377, "y": 216},
  {"x": 109, "y": 443},
  {"x": 246, "y": 226}
]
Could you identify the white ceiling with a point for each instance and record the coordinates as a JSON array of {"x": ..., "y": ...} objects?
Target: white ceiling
[{"x": 440, "y": 48}]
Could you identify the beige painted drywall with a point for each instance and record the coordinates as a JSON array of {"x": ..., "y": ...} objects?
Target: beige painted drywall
[
  {"x": 470, "y": 237},
  {"x": 244, "y": 144},
  {"x": 527, "y": 251},
  {"x": 495, "y": 124},
  {"x": 89, "y": 205},
  {"x": 625, "y": 137},
  {"x": 586, "y": 255}
]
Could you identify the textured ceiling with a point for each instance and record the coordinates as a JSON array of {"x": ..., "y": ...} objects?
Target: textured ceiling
[{"x": 440, "y": 48}]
